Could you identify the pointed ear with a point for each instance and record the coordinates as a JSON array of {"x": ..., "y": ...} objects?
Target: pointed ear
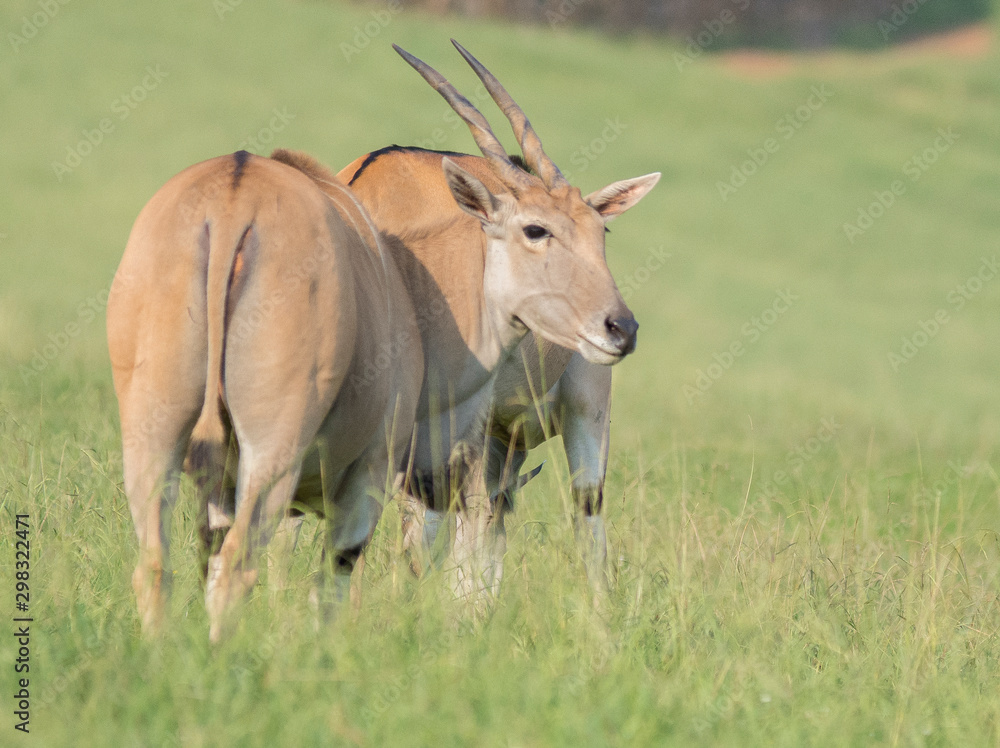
[
  {"x": 471, "y": 194},
  {"x": 616, "y": 198}
]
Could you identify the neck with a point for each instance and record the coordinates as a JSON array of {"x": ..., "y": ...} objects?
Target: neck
[
  {"x": 441, "y": 253},
  {"x": 463, "y": 342},
  {"x": 504, "y": 333}
]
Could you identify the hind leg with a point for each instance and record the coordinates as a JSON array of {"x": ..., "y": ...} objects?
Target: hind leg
[
  {"x": 351, "y": 517},
  {"x": 481, "y": 535},
  {"x": 427, "y": 535},
  {"x": 213, "y": 466},
  {"x": 265, "y": 485},
  {"x": 411, "y": 515},
  {"x": 428, "y": 506},
  {"x": 154, "y": 440}
]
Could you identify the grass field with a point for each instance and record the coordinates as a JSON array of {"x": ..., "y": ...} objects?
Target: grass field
[{"x": 803, "y": 528}]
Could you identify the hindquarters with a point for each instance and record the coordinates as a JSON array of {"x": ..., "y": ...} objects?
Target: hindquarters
[
  {"x": 289, "y": 334},
  {"x": 322, "y": 353},
  {"x": 156, "y": 324},
  {"x": 234, "y": 303}
]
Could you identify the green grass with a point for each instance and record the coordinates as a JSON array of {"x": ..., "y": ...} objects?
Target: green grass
[{"x": 855, "y": 602}]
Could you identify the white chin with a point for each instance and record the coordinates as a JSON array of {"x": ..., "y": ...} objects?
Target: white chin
[{"x": 596, "y": 355}]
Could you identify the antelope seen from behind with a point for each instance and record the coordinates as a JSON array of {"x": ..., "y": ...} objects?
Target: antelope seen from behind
[{"x": 253, "y": 299}]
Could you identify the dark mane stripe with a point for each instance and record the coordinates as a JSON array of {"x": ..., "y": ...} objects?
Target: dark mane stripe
[{"x": 393, "y": 149}]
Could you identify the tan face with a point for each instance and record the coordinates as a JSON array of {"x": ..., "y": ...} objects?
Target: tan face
[{"x": 545, "y": 265}]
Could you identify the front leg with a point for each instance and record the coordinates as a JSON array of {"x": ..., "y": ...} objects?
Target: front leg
[
  {"x": 411, "y": 516},
  {"x": 481, "y": 535},
  {"x": 423, "y": 517},
  {"x": 584, "y": 403},
  {"x": 352, "y": 511}
]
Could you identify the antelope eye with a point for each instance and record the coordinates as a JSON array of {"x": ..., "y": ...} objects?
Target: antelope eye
[{"x": 535, "y": 232}]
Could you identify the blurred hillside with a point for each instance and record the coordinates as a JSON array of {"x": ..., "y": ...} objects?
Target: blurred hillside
[{"x": 713, "y": 24}]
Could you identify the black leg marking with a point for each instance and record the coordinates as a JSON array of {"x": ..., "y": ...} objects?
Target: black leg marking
[
  {"x": 434, "y": 489},
  {"x": 421, "y": 485},
  {"x": 590, "y": 499},
  {"x": 345, "y": 560},
  {"x": 211, "y": 544}
]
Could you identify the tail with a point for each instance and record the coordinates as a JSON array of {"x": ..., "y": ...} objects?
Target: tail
[{"x": 210, "y": 437}]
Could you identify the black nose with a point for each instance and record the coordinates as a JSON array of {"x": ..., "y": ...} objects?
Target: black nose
[{"x": 622, "y": 333}]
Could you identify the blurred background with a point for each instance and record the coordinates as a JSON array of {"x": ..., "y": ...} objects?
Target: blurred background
[
  {"x": 815, "y": 277},
  {"x": 774, "y": 161},
  {"x": 792, "y": 24}
]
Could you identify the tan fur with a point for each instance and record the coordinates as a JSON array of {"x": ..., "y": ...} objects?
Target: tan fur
[
  {"x": 258, "y": 303},
  {"x": 517, "y": 356},
  {"x": 442, "y": 251}
]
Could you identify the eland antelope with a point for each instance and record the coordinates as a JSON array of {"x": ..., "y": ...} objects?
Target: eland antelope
[
  {"x": 257, "y": 317},
  {"x": 533, "y": 320}
]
